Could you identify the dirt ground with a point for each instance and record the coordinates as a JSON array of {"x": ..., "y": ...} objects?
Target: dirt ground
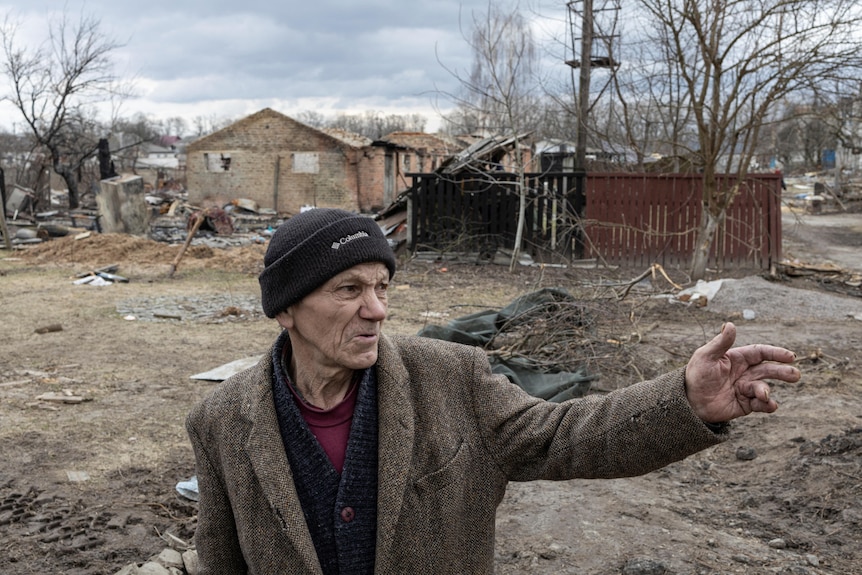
[{"x": 87, "y": 488}]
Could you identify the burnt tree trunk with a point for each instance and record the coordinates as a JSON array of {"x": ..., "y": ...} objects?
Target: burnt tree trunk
[
  {"x": 2, "y": 193},
  {"x": 68, "y": 174},
  {"x": 106, "y": 165}
]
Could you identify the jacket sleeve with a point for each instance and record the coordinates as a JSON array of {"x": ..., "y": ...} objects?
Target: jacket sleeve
[
  {"x": 628, "y": 432},
  {"x": 216, "y": 537}
]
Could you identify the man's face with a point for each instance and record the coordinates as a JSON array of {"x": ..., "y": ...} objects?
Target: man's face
[{"x": 337, "y": 326}]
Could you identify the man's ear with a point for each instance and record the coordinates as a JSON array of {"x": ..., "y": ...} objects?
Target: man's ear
[{"x": 285, "y": 318}]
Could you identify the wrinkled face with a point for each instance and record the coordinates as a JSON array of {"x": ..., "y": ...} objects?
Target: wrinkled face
[{"x": 337, "y": 326}]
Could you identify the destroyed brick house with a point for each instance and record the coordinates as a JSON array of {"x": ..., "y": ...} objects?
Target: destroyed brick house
[{"x": 283, "y": 165}]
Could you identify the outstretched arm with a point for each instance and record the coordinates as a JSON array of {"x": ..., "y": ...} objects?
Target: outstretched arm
[{"x": 723, "y": 383}]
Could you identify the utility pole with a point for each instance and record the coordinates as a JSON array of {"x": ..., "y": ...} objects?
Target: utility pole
[
  {"x": 593, "y": 32},
  {"x": 584, "y": 86},
  {"x": 582, "y": 23},
  {"x": 3, "y": 228}
]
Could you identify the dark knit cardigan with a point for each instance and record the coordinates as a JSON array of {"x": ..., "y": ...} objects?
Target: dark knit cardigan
[{"x": 341, "y": 511}]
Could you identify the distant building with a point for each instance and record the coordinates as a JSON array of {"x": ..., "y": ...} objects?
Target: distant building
[
  {"x": 283, "y": 164},
  {"x": 561, "y": 156},
  {"x": 154, "y": 156},
  {"x": 160, "y": 163}
]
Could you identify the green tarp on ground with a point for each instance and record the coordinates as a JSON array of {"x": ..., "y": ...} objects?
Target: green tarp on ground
[{"x": 480, "y": 328}]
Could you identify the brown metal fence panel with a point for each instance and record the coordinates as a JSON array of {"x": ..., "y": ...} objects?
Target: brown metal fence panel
[
  {"x": 641, "y": 219},
  {"x": 626, "y": 219},
  {"x": 629, "y": 220}
]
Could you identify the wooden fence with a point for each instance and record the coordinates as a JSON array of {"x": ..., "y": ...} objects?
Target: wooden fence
[
  {"x": 621, "y": 218},
  {"x": 476, "y": 213}
]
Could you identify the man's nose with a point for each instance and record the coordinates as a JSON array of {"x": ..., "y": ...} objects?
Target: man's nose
[{"x": 373, "y": 307}]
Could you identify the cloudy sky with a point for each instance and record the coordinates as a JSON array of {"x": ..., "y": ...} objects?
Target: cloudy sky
[{"x": 226, "y": 59}]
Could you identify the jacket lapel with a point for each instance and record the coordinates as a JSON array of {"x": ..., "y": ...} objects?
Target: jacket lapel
[
  {"x": 396, "y": 437},
  {"x": 266, "y": 452}
]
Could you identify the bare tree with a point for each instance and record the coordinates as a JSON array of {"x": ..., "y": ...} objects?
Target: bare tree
[
  {"x": 56, "y": 86},
  {"x": 312, "y": 118},
  {"x": 499, "y": 96},
  {"x": 205, "y": 125},
  {"x": 651, "y": 109},
  {"x": 801, "y": 131},
  {"x": 129, "y": 134},
  {"x": 173, "y": 126},
  {"x": 371, "y": 124},
  {"x": 717, "y": 71}
]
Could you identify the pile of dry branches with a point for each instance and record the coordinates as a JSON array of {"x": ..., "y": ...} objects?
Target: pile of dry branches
[{"x": 599, "y": 335}]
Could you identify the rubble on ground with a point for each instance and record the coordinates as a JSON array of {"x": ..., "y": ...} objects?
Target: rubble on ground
[
  {"x": 237, "y": 223},
  {"x": 169, "y": 562}
]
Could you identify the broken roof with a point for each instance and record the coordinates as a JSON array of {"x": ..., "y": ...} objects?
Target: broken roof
[
  {"x": 350, "y": 138},
  {"x": 430, "y": 143},
  {"x": 490, "y": 149}
]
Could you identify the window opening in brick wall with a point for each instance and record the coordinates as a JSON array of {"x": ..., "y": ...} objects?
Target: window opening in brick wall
[
  {"x": 217, "y": 162},
  {"x": 406, "y": 161},
  {"x": 305, "y": 162}
]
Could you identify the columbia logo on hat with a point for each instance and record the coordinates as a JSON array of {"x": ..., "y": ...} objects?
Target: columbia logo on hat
[{"x": 348, "y": 239}]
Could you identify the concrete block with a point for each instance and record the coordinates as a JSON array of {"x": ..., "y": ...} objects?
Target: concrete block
[{"x": 123, "y": 206}]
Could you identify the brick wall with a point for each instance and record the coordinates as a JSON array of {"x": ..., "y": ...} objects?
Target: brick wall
[
  {"x": 375, "y": 193},
  {"x": 372, "y": 189}
]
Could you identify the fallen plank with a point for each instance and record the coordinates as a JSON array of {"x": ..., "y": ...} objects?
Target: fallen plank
[
  {"x": 49, "y": 328},
  {"x": 14, "y": 383},
  {"x": 166, "y": 315},
  {"x": 195, "y": 221},
  {"x": 54, "y": 397},
  {"x": 802, "y": 266}
]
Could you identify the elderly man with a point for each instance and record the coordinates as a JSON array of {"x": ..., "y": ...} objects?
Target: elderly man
[{"x": 345, "y": 451}]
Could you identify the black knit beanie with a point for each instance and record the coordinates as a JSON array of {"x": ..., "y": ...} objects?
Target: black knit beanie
[{"x": 312, "y": 247}]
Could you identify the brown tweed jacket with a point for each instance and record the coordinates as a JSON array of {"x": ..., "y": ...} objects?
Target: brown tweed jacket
[{"x": 451, "y": 436}]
